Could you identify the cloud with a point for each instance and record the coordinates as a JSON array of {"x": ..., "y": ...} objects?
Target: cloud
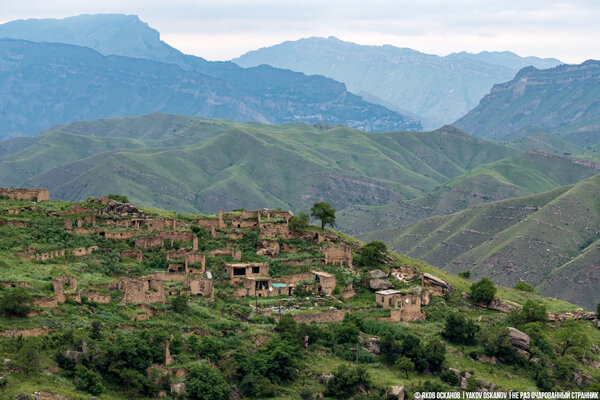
[{"x": 223, "y": 30}]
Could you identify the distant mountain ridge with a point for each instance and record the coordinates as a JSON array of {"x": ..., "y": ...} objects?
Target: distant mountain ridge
[
  {"x": 439, "y": 89},
  {"x": 563, "y": 102},
  {"x": 147, "y": 75}
]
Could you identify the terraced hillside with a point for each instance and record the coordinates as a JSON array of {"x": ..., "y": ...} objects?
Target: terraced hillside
[
  {"x": 520, "y": 175},
  {"x": 549, "y": 240},
  {"x": 190, "y": 164},
  {"x": 101, "y": 298}
]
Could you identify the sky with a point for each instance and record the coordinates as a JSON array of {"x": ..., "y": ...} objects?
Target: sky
[{"x": 225, "y": 29}]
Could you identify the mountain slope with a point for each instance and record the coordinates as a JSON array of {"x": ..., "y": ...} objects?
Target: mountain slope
[
  {"x": 189, "y": 163},
  {"x": 519, "y": 175},
  {"x": 564, "y": 100},
  {"x": 545, "y": 239},
  {"x": 439, "y": 89},
  {"x": 263, "y": 94}
]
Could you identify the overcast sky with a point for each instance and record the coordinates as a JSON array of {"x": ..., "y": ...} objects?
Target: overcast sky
[{"x": 224, "y": 29}]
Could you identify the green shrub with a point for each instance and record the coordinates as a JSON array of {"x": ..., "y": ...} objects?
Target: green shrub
[
  {"x": 372, "y": 254},
  {"x": 88, "y": 380},
  {"x": 465, "y": 274},
  {"x": 15, "y": 302},
  {"x": 460, "y": 330},
  {"x": 449, "y": 377},
  {"x": 484, "y": 290},
  {"x": 180, "y": 304},
  {"x": 299, "y": 222},
  {"x": 524, "y": 287},
  {"x": 348, "y": 380},
  {"x": 206, "y": 383}
]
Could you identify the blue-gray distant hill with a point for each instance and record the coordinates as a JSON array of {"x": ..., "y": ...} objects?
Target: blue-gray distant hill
[
  {"x": 49, "y": 77},
  {"x": 563, "y": 102},
  {"x": 438, "y": 89}
]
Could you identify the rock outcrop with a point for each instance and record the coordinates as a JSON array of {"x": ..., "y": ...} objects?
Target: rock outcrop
[{"x": 380, "y": 284}]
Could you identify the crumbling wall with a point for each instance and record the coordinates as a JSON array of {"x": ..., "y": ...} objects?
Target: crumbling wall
[
  {"x": 123, "y": 235},
  {"x": 96, "y": 296},
  {"x": 135, "y": 254},
  {"x": 227, "y": 251},
  {"x": 148, "y": 242},
  {"x": 26, "y": 194},
  {"x": 338, "y": 255},
  {"x": 323, "y": 317},
  {"x": 84, "y": 251},
  {"x": 273, "y": 230},
  {"x": 142, "y": 291},
  {"x": 201, "y": 286},
  {"x": 72, "y": 291}
]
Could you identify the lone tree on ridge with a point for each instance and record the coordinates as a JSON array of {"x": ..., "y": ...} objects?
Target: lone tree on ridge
[{"x": 324, "y": 212}]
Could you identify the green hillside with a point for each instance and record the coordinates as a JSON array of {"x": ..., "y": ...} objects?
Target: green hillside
[
  {"x": 191, "y": 164},
  {"x": 82, "y": 323},
  {"x": 548, "y": 240},
  {"x": 520, "y": 175}
]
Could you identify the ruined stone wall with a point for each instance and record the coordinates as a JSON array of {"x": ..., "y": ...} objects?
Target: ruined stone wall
[
  {"x": 142, "y": 291},
  {"x": 124, "y": 235},
  {"x": 148, "y": 242},
  {"x": 96, "y": 296},
  {"x": 61, "y": 293},
  {"x": 135, "y": 254},
  {"x": 227, "y": 251},
  {"x": 272, "y": 230},
  {"x": 324, "y": 317},
  {"x": 338, "y": 255},
  {"x": 195, "y": 258},
  {"x": 26, "y": 194},
  {"x": 166, "y": 277},
  {"x": 84, "y": 251},
  {"x": 201, "y": 286}
]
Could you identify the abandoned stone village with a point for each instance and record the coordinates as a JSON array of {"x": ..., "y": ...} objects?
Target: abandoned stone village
[{"x": 315, "y": 256}]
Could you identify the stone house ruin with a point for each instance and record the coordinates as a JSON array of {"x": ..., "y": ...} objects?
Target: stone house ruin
[
  {"x": 36, "y": 195},
  {"x": 237, "y": 272},
  {"x": 338, "y": 255},
  {"x": 435, "y": 285},
  {"x": 265, "y": 286},
  {"x": 142, "y": 291},
  {"x": 403, "y": 306}
]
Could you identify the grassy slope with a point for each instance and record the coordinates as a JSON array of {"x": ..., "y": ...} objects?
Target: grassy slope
[
  {"x": 537, "y": 238},
  {"x": 516, "y": 176},
  {"x": 190, "y": 164}
]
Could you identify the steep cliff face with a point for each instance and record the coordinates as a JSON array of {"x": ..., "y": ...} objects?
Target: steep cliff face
[{"x": 565, "y": 100}]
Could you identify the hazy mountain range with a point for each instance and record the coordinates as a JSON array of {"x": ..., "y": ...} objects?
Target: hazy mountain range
[
  {"x": 48, "y": 83},
  {"x": 439, "y": 90}
]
